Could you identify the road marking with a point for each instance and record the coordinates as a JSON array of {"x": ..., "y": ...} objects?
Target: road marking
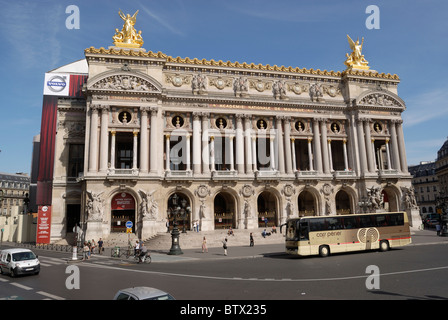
[
  {"x": 49, "y": 295},
  {"x": 21, "y": 286},
  {"x": 259, "y": 279},
  {"x": 3, "y": 280}
]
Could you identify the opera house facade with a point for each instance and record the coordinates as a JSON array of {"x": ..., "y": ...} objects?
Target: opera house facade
[{"x": 238, "y": 145}]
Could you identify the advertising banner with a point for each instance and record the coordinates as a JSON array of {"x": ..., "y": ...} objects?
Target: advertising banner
[
  {"x": 123, "y": 201},
  {"x": 57, "y": 84},
  {"x": 43, "y": 224}
]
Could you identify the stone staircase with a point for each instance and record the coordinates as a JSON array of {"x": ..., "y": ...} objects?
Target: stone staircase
[{"x": 192, "y": 240}]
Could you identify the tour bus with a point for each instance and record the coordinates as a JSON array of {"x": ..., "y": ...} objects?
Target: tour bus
[{"x": 322, "y": 235}]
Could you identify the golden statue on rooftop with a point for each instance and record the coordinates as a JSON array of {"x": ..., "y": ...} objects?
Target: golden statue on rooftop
[
  {"x": 128, "y": 37},
  {"x": 356, "y": 59}
]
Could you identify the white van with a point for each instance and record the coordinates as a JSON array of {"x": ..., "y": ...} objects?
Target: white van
[{"x": 18, "y": 261}]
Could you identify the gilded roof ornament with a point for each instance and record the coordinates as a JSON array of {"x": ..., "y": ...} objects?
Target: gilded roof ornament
[
  {"x": 128, "y": 37},
  {"x": 356, "y": 59}
]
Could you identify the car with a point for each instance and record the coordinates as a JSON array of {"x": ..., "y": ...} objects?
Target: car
[
  {"x": 19, "y": 261},
  {"x": 142, "y": 293}
]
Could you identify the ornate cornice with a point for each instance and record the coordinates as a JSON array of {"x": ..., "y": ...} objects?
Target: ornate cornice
[{"x": 244, "y": 65}]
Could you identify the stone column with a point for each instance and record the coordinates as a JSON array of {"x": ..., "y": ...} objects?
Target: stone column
[
  {"x": 196, "y": 143},
  {"x": 271, "y": 152},
  {"x": 368, "y": 146},
  {"x": 248, "y": 140},
  {"x": 144, "y": 140},
  {"x": 362, "y": 147},
  {"x": 205, "y": 144},
  {"x": 188, "y": 164},
  {"x": 345, "y": 154},
  {"x": 330, "y": 156},
  {"x": 317, "y": 147},
  {"x": 310, "y": 154},
  {"x": 395, "y": 154},
  {"x": 239, "y": 144},
  {"x": 287, "y": 142},
  {"x": 254, "y": 153},
  {"x": 167, "y": 152},
  {"x": 232, "y": 166},
  {"x": 212, "y": 153},
  {"x": 323, "y": 133},
  {"x": 388, "y": 154},
  {"x": 134, "y": 150},
  {"x": 104, "y": 138},
  {"x": 293, "y": 150},
  {"x": 401, "y": 147},
  {"x": 112, "y": 150},
  {"x": 280, "y": 149},
  {"x": 93, "y": 152},
  {"x": 154, "y": 152}
]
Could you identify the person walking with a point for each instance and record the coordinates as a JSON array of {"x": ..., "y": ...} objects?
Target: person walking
[
  {"x": 224, "y": 245},
  {"x": 86, "y": 252},
  {"x": 100, "y": 246},
  {"x": 204, "y": 245},
  {"x": 251, "y": 238}
]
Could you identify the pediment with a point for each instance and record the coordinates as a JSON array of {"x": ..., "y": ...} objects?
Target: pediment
[
  {"x": 125, "y": 82},
  {"x": 380, "y": 98}
]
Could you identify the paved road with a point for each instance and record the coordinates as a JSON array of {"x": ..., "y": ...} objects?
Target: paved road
[{"x": 418, "y": 271}]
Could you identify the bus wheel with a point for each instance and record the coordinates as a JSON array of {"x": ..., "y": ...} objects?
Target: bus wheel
[
  {"x": 384, "y": 245},
  {"x": 324, "y": 251}
]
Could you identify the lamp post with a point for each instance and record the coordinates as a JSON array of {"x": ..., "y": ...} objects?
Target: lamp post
[
  {"x": 364, "y": 203},
  {"x": 175, "y": 248}
]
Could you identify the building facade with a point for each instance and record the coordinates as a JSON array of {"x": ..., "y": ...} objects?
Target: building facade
[
  {"x": 239, "y": 144},
  {"x": 441, "y": 172},
  {"x": 14, "y": 201},
  {"x": 426, "y": 186}
]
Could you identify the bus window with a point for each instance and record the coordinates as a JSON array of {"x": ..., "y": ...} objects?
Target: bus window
[
  {"x": 381, "y": 221},
  {"x": 291, "y": 230},
  {"x": 365, "y": 222},
  {"x": 303, "y": 231},
  {"x": 395, "y": 219},
  {"x": 349, "y": 223}
]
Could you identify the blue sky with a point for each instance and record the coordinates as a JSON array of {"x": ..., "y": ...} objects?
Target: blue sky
[{"x": 412, "y": 42}]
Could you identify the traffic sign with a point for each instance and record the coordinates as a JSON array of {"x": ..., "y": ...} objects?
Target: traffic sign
[
  {"x": 129, "y": 224},
  {"x": 128, "y": 230}
]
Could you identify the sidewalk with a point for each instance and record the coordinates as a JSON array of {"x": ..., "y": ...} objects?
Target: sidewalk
[{"x": 425, "y": 237}]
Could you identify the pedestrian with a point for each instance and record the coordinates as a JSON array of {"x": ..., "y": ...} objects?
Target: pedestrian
[
  {"x": 136, "y": 248},
  {"x": 194, "y": 226},
  {"x": 224, "y": 245},
  {"x": 438, "y": 228},
  {"x": 100, "y": 246},
  {"x": 204, "y": 245},
  {"x": 167, "y": 225},
  {"x": 92, "y": 246},
  {"x": 265, "y": 222},
  {"x": 251, "y": 238},
  {"x": 85, "y": 251}
]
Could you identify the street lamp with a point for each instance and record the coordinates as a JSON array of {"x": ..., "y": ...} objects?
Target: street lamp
[
  {"x": 364, "y": 203},
  {"x": 175, "y": 248}
]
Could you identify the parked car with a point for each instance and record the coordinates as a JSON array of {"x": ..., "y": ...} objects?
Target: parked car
[
  {"x": 19, "y": 261},
  {"x": 142, "y": 293}
]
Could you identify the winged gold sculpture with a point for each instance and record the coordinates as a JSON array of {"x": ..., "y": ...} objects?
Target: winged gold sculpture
[
  {"x": 128, "y": 37},
  {"x": 356, "y": 59}
]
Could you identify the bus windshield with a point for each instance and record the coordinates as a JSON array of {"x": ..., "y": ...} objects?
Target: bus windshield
[{"x": 297, "y": 230}]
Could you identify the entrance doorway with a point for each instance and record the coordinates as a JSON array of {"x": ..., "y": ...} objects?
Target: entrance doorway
[
  {"x": 122, "y": 210},
  {"x": 267, "y": 210},
  {"x": 73, "y": 216},
  {"x": 343, "y": 203},
  {"x": 307, "y": 204},
  {"x": 224, "y": 211}
]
